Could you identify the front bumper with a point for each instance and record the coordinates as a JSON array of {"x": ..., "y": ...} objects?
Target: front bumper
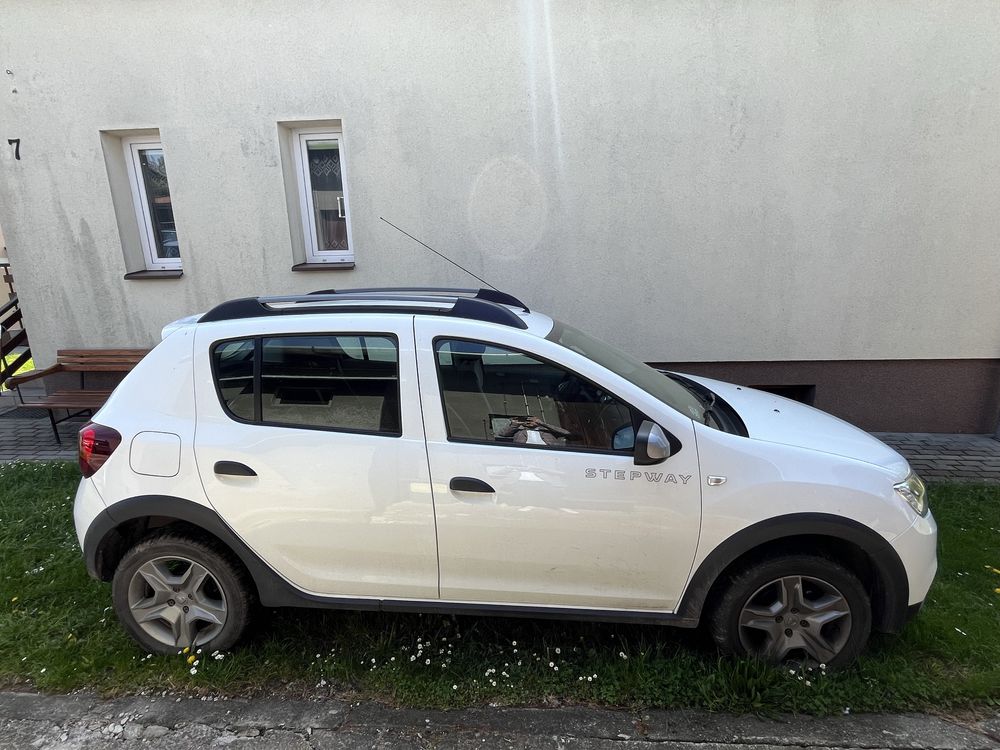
[{"x": 917, "y": 550}]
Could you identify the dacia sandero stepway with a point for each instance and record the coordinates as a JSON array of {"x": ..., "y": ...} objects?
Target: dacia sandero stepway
[{"x": 448, "y": 450}]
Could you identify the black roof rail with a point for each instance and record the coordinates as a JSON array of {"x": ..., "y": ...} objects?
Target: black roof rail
[
  {"x": 475, "y": 308},
  {"x": 471, "y": 308},
  {"x": 490, "y": 295},
  {"x": 234, "y": 309}
]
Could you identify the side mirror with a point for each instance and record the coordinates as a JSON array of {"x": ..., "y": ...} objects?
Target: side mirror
[{"x": 651, "y": 444}]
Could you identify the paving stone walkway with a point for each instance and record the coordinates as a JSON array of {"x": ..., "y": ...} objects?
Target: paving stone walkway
[
  {"x": 30, "y": 438},
  {"x": 937, "y": 457}
]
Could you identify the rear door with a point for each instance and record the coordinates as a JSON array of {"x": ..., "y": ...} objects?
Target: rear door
[
  {"x": 537, "y": 495},
  {"x": 324, "y": 411}
]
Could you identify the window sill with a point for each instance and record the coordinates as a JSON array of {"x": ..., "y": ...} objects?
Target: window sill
[
  {"x": 173, "y": 273},
  {"x": 346, "y": 265}
]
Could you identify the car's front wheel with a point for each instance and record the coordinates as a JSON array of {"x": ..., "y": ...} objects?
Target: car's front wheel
[
  {"x": 173, "y": 591},
  {"x": 795, "y": 607}
]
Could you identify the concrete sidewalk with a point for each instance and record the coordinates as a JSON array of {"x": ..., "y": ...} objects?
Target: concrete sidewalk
[{"x": 84, "y": 721}]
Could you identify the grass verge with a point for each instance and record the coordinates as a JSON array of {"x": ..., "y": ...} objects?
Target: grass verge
[
  {"x": 29, "y": 365},
  {"x": 59, "y": 633}
]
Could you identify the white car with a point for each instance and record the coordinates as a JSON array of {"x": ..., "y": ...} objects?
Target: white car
[{"x": 448, "y": 450}]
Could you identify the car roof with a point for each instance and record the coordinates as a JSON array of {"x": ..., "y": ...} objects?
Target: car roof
[{"x": 485, "y": 305}]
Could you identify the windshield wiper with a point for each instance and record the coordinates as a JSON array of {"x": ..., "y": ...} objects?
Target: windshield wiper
[{"x": 700, "y": 392}]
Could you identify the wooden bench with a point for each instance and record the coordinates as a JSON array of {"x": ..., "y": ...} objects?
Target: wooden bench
[{"x": 82, "y": 400}]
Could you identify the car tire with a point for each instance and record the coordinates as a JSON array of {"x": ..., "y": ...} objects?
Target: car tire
[
  {"x": 171, "y": 591},
  {"x": 796, "y": 608}
]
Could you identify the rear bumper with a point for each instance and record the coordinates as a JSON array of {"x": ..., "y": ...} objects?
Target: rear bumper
[{"x": 87, "y": 506}]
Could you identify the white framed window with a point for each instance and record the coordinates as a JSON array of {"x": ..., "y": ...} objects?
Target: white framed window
[
  {"x": 147, "y": 174},
  {"x": 321, "y": 174}
]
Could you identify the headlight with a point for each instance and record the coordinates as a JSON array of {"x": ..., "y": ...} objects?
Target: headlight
[{"x": 913, "y": 491}]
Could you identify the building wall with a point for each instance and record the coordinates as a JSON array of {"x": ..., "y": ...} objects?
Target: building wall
[{"x": 701, "y": 181}]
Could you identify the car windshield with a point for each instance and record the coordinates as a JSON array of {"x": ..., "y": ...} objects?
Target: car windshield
[{"x": 660, "y": 386}]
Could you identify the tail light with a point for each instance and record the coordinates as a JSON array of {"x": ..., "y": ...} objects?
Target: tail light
[{"x": 97, "y": 443}]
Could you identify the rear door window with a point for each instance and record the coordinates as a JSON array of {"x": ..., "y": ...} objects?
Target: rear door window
[{"x": 316, "y": 381}]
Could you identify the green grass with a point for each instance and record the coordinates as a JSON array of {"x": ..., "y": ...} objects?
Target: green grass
[
  {"x": 29, "y": 365},
  {"x": 59, "y": 633}
]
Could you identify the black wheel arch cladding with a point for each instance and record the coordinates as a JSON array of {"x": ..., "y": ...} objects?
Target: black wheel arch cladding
[
  {"x": 103, "y": 538},
  {"x": 889, "y": 587},
  {"x": 889, "y": 595}
]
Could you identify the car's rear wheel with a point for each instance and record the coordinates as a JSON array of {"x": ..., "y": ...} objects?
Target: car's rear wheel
[
  {"x": 794, "y": 608},
  {"x": 172, "y": 592}
]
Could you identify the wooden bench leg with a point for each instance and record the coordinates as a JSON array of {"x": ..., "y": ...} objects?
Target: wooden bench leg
[
  {"x": 55, "y": 428},
  {"x": 69, "y": 415}
]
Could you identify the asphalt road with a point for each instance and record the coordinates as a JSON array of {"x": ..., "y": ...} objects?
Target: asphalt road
[{"x": 84, "y": 721}]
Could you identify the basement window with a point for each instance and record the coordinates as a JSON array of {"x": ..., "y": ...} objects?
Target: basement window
[
  {"x": 803, "y": 393},
  {"x": 147, "y": 173}
]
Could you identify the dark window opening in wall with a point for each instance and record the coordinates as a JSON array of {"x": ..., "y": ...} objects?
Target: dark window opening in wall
[
  {"x": 805, "y": 394},
  {"x": 153, "y": 207}
]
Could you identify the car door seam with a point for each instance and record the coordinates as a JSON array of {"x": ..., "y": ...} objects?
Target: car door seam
[
  {"x": 701, "y": 514},
  {"x": 195, "y": 340},
  {"x": 427, "y": 455}
]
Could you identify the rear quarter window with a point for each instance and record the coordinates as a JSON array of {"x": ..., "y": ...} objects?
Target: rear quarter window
[{"x": 232, "y": 364}]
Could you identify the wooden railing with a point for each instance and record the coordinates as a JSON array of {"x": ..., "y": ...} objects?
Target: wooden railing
[{"x": 12, "y": 337}]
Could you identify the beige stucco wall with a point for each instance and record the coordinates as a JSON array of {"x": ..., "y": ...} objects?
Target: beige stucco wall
[{"x": 702, "y": 180}]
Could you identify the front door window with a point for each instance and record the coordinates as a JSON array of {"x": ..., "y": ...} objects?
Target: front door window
[{"x": 498, "y": 395}]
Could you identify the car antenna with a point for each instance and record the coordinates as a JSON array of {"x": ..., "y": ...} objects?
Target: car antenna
[{"x": 440, "y": 255}]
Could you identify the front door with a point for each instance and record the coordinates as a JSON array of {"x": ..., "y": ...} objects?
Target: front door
[
  {"x": 537, "y": 495},
  {"x": 330, "y": 424}
]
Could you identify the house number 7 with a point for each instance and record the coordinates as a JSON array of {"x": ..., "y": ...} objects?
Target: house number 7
[{"x": 16, "y": 143}]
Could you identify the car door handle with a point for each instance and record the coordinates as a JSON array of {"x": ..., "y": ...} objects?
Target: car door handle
[
  {"x": 469, "y": 484},
  {"x": 234, "y": 468}
]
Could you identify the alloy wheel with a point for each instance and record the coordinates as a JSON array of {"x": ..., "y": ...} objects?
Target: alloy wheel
[
  {"x": 795, "y": 617},
  {"x": 177, "y": 601}
]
